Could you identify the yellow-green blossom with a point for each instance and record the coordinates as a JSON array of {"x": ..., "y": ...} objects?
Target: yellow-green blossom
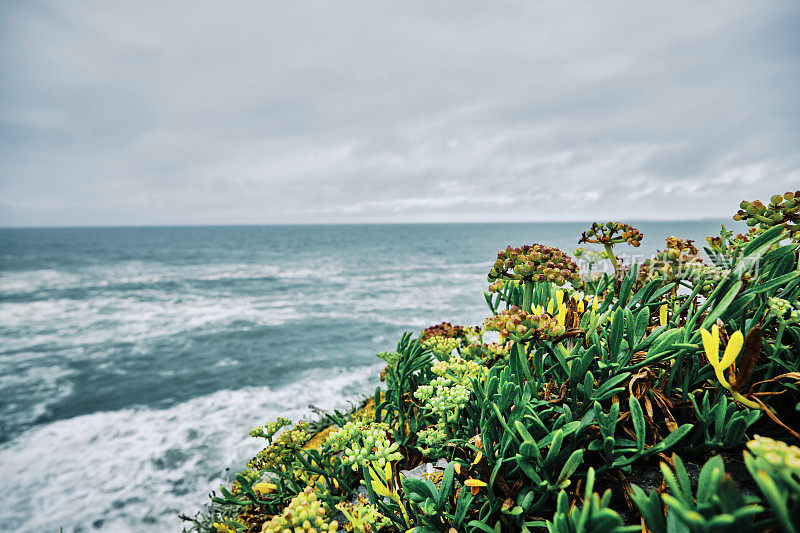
[{"x": 711, "y": 345}]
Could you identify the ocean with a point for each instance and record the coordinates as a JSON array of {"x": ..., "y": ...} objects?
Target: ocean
[{"x": 133, "y": 361}]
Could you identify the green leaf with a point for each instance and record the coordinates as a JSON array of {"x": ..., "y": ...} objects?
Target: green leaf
[
  {"x": 447, "y": 486},
  {"x": 764, "y": 240},
  {"x": 570, "y": 466},
  {"x": 615, "y": 336},
  {"x": 722, "y": 306},
  {"x": 769, "y": 286},
  {"x": 637, "y": 416}
]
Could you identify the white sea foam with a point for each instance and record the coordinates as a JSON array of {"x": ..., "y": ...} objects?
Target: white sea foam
[
  {"x": 136, "y": 469},
  {"x": 69, "y": 322}
]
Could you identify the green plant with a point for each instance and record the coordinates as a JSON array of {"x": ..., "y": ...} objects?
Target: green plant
[{"x": 587, "y": 386}]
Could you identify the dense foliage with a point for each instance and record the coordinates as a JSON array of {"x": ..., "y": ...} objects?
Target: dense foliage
[{"x": 653, "y": 380}]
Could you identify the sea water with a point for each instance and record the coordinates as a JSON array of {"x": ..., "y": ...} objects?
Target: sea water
[{"x": 133, "y": 361}]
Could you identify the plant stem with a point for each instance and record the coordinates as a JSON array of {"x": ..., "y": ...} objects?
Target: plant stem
[
  {"x": 527, "y": 296},
  {"x": 613, "y": 259}
]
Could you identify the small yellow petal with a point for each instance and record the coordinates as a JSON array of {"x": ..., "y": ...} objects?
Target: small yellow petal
[
  {"x": 265, "y": 488},
  {"x": 662, "y": 315},
  {"x": 732, "y": 349},
  {"x": 595, "y": 301},
  {"x": 562, "y": 315},
  {"x": 478, "y": 458},
  {"x": 559, "y": 298},
  {"x": 550, "y": 304},
  {"x": 711, "y": 344},
  {"x": 580, "y": 307},
  {"x": 475, "y": 483},
  {"x": 380, "y": 489}
]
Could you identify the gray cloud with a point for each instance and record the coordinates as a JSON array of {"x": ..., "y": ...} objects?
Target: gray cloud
[{"x": 269, "y": 112}]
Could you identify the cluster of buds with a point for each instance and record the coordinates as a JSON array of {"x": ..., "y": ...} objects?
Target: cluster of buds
[
  {"x": 267, "y": 431},
  {"x": 362, "y": 516},
  {"x": 784, "y": 310},
  {"x": 535, "y": 263},
  {"x": 441, "y": 347},
  {"x": 305, "y": 513},
  {"x": 500, "y": 284},
  {"x": 710, "y": 275},
  {"x": 488, "y": 354},
  {"x": 432, "y": 436},
  {"x": 681, "y": 260},
  {"x": 282, "y": 449},
  {"x": 590, "y": 256},
  {"x": 681, "y": 248},
  {"x": 452, "y": 387},
  {"x": 445, "y": 329},
  {"x": 252, "y": 476},
  {"x": 516, "y": 324},
  {"x": 612, "y": 233},
  {"x": 363, "y": 443},
  {"x": 781, "y": 210},
  {"x": 777, "y": 454},
  {"x": 727, "y": 243}
]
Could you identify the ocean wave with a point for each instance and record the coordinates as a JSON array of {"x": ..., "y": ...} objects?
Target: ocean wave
[
  {"x": 68, "y": 322},
  {"x": 136, "y": 469}
]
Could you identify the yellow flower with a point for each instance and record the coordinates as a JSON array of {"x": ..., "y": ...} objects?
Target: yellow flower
[
  {"x": 662, "y": 315},
  {"x": 382, "y": 487},
  {"x": 265, "y": 488},
  {"x": 735, "y": 343},
  {"x": 474, "y": 485},
  {"x": 562, "y": 314}
]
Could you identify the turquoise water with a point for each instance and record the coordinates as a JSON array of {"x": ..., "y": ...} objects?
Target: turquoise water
[{"x": 133, "y": 361}]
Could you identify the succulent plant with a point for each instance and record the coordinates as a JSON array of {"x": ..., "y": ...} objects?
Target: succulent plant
[
  {"x": 268, "y": 430},
  {"x": 612, "y": 233},
  {"x": 304, "y": 514},
  {"x": 451, "y": 389},
  {"x": 516, "y": 324},
  {"x": 441, "y": 347},
  {"x": 445, "y": 329},
  {"x": 282, "y": 449},
  {"x": 585, "y": 388},
  {"x": 535, "y": 263},
  {"x": 780, "y": 211},
  {"x": 363, "y": 443}
]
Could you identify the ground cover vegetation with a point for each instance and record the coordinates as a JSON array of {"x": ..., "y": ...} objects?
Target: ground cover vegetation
[{"x": 660, "y": 396}]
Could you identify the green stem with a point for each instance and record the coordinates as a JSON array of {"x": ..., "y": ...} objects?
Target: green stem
[
  {"x": 527, "y": 296},
  {"x": 614, "y": 262},
  {"x": 612, "y": 257}
]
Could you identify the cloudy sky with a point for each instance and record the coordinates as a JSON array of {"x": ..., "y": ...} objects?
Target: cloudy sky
[{"x": 369, "y": 111}]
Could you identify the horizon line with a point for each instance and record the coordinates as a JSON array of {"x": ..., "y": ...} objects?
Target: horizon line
[{"x": 303, "y": 224}]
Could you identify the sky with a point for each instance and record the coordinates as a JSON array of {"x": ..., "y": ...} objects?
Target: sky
[{"x": 269, "y": 112}]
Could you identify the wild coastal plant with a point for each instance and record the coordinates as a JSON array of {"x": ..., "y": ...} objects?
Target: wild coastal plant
[{"x": 592, "y": 383}]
